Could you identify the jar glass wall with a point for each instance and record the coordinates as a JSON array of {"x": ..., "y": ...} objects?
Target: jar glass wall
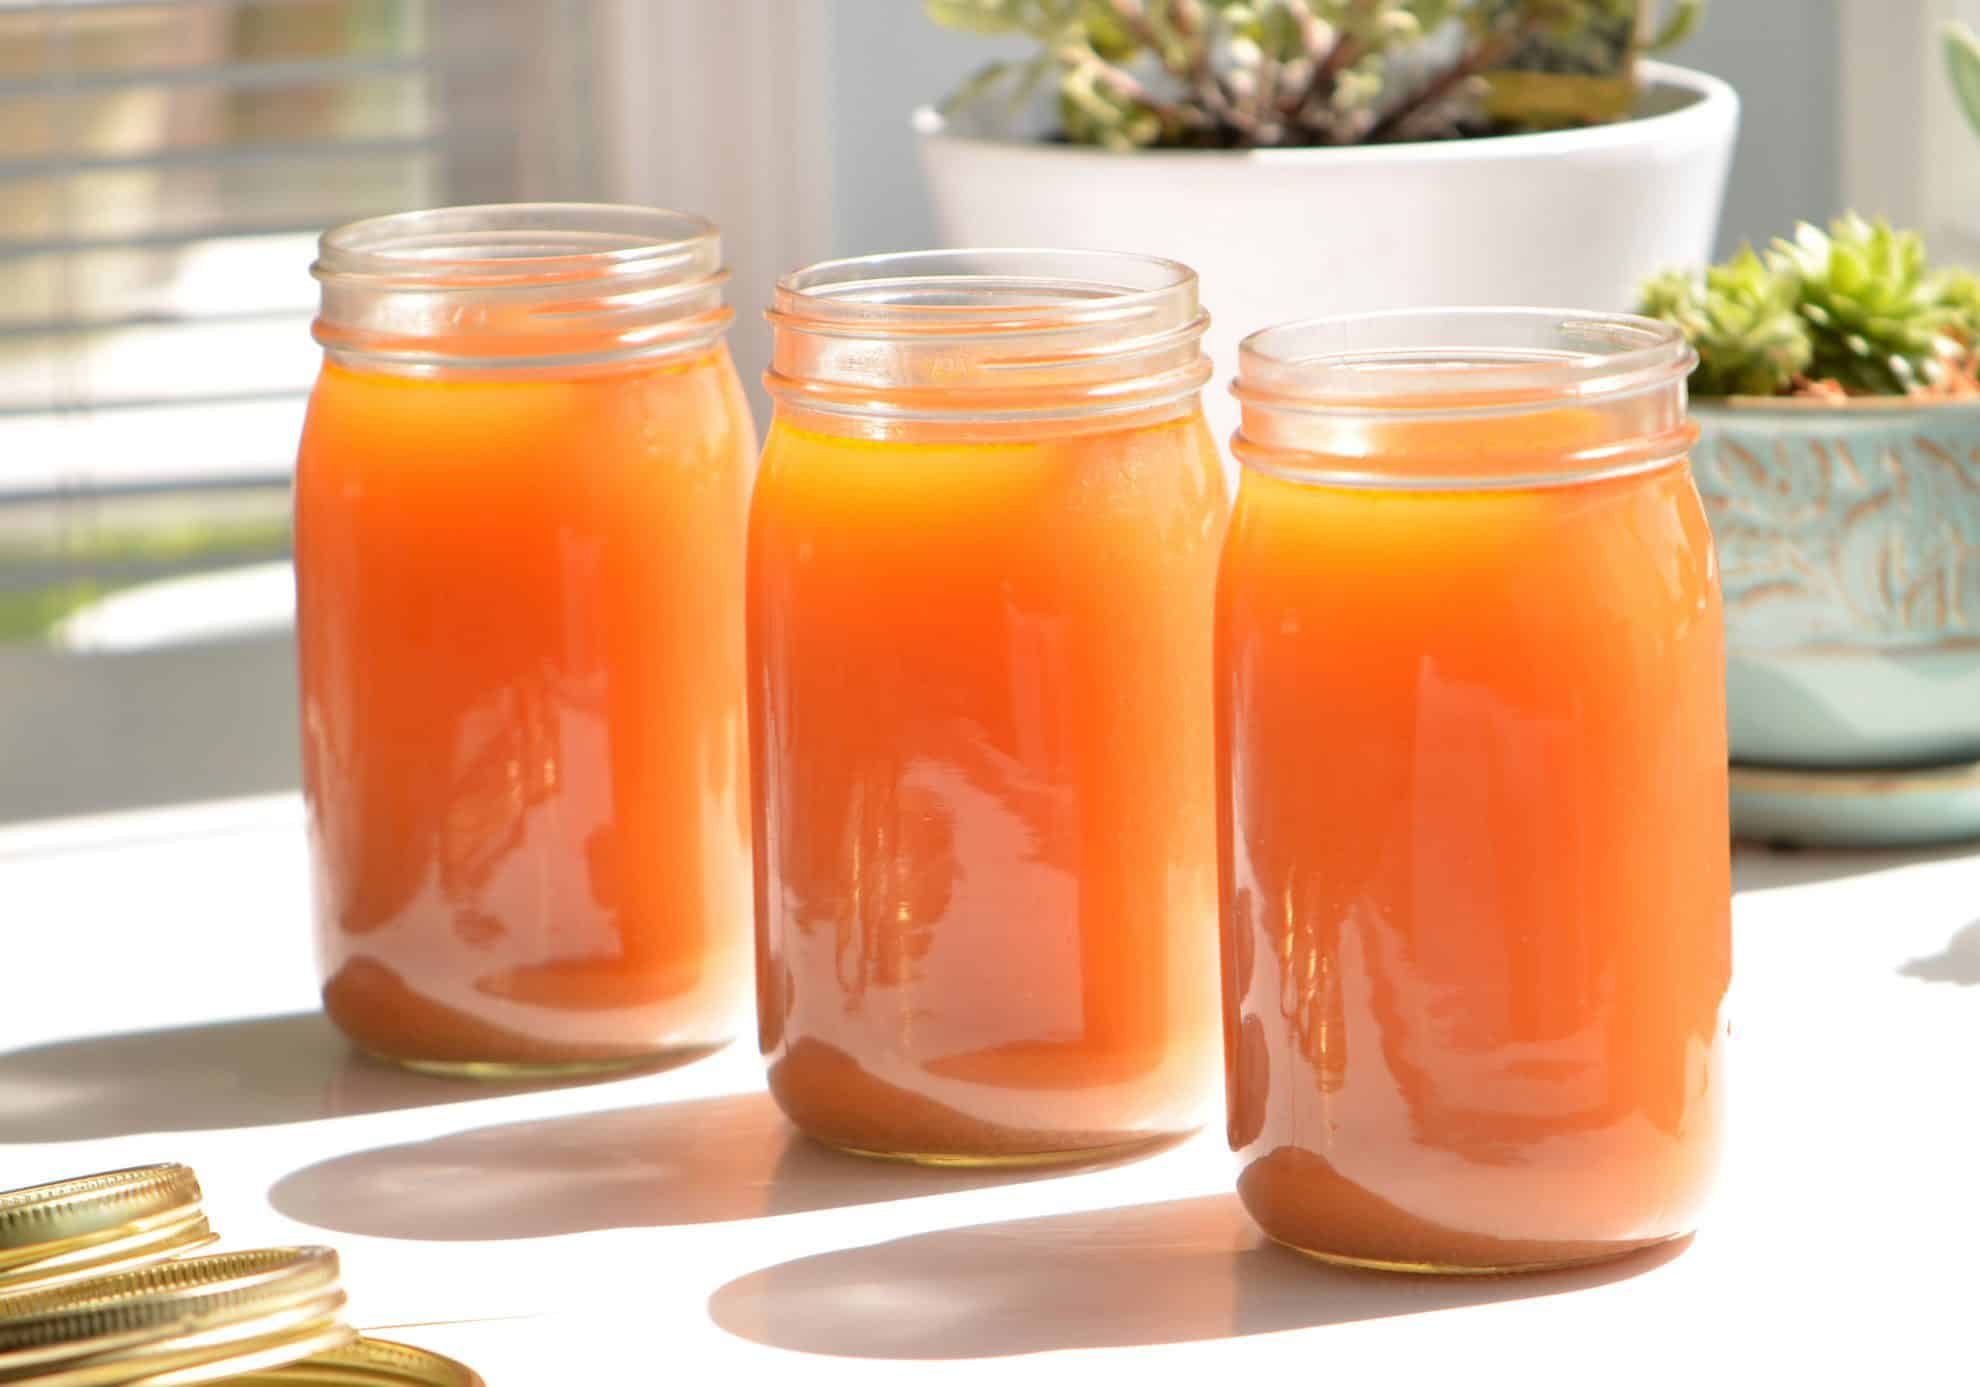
[
  {"x": 1472, "y": 791},
  {"x": 520, "y": 510},
  {"x": 982, "y": 557}
]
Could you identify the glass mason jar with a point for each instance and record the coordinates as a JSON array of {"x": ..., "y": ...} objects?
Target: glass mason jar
[
  {"x": 521, "y": 503},
  {"x": 982, "y": 558},
  {"x": 1472, "y": 791}
]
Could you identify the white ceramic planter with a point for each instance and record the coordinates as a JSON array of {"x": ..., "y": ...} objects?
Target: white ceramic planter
[{"x": 1574, "y": 219}]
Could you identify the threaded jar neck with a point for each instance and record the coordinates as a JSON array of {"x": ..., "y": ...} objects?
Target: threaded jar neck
[
  {"x": 1463, "y": 399},
  {"x": 993, "y": 337},
  {"x": 525, "y": 287}
]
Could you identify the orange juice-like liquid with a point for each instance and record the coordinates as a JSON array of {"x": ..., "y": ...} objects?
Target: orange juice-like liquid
[
  {"x": 520, "y": 613},
  {"x": 1476, "y": 903},
  {"x": 981, "y": 738}
]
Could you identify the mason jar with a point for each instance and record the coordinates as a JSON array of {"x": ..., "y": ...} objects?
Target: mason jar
[
  {"x": 982, "y": 556},
  {"x": 1472, "y": 791},
  {"x": 521, "y": 503}
]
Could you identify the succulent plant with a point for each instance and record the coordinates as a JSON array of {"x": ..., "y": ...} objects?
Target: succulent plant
[
  {"x": 1880, "y": 318},
  {"x": 1853, "y": 310},
  {"x": 1744, "y": 320},
  {"x": 1251, "y": 73},
  {"x": 1959, "y": 294}
]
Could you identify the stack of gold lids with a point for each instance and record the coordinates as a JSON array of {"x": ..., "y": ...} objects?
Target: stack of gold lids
[
  {"x": 76, "y": 1228},
  {"x": 94, "y": 1292}
]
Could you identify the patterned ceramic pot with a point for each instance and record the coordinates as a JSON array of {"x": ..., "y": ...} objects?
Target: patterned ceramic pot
[{"x": 1849, "y": 538}]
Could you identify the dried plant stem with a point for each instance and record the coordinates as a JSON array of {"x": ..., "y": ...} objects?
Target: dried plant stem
[
  {"x": 1199, "y": 74},
  {"x": 1264, "y": 103},
  {"x": 1135, "y": 20},
  {"x": 1265, "y": 73},
  {"x": 1347, "y": 50},
  {"x": 1485, "y": 55},
  {"x": 1123, "y": 84}
]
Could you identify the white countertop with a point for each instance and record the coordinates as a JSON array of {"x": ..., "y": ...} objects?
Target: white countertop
[{"x": 158, "y": 1002}]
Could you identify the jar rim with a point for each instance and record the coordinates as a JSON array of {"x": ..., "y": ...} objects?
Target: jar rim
[
  {"x": 1456, "y": 362},
  {"x": 1344, "y": 401},
  {"x": 533, "y": 243},
  {"x": 564, "y": 288},
  {"x": 995, "y": 337},
  {"x": 993, "y": 289}
]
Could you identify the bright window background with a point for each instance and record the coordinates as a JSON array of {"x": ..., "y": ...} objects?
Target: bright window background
[
  {"x": 165, "y": 167},
  {"x": 164, "y": 170}
]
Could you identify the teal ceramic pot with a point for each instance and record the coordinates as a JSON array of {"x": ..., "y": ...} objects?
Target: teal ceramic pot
[{"x": 1849, "y": 545}]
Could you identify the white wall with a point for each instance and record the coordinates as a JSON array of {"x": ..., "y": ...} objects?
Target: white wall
[
  {"x": 1782, "y": 55},
  {"x": 1908, "y": 152},
  {"x": 887, "y": 58},
  {"x": 1784, "y": 58},
  {"x": 716, "y": 108}
]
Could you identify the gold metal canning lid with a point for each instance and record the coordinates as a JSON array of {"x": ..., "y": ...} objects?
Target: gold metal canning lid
[
  {"x": 369, "y": 1363},
  {"x": 175, "y": 1322},
  {"x": 51, "y": 1234}
]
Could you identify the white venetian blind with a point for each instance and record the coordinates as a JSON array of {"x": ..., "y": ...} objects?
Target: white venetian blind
[{"x": 164, "y": 169}]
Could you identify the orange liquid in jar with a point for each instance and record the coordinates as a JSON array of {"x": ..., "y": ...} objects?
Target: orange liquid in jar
[
  {"x": 1473, "y": 775},
  {"x": 520, "y": 612},
  {"x": 981, "y": 738}
]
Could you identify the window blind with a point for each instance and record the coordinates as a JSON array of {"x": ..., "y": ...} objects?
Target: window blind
[{"x": 164, "y": 169}]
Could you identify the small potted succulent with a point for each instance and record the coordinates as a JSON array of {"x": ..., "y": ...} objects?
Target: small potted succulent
[
  {"x": 1839, "y": 456},
  {"x": 1335, "y": 156}
]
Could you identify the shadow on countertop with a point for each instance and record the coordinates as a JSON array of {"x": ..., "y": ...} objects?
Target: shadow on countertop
[
  {"x": 1177, "y": 1272},
  {"x": 1759, "y": 867},
  {"x": 702, "y": 1160},
  {"x": 247, "y": 1073},
  {"x": 1958, "y": 963}
]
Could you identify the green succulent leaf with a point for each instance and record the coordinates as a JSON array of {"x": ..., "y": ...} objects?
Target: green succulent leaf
[
  {"x": 1682, "y": 23},
  {"x": 1880, "y": 319},
  {"x": 1741, "y": 318},
  {"x": 1106, "y": 33},
  {"x": 1278, "y": 32},
  {"x": 974, "y": 87},
  {"x": 1033, "y": 73},
  {"x": 1959, "y": 294},
  {"x": 1671, "y": 296},
  {"x": 976, "y": 16},
  {"x": 1281, "y": 72},
  {"x": 1962, "y": 50}
]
